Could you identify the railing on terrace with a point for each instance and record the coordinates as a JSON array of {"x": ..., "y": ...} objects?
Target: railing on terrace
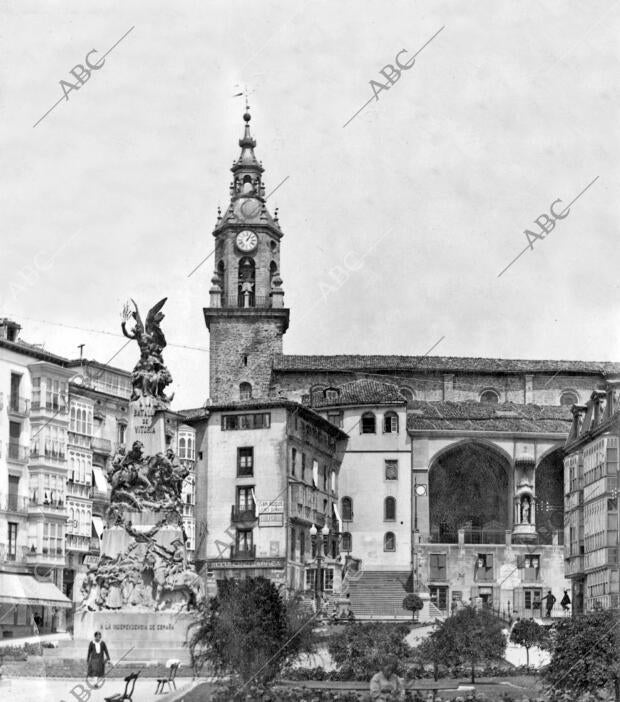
[
  {"x": 17, "y": 452},
  {"x": 18, "y": 405},
  {"x": 13, "y": 503},
  {"x": 242, "y": 554},
  {"x": 246, "y": 301}
]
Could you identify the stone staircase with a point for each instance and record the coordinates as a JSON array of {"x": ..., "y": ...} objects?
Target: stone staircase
[{"x": 378, "y": 595}]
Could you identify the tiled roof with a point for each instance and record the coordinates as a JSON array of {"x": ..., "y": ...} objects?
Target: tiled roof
[
  {"x": 360, "y": 392},
  {"x": 33, "y": 351},
  {"x": 439, "y": 363},
  {"x": 476, "y": 416}
]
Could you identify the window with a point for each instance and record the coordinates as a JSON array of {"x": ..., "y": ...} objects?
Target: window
[
  {"x": 347, "y": 509},
  {"x": 245, "y": 391},
  {"x": 489, "y": 396},
  {"x": 16, "y": 380},
  {"x": 302, "y": 545},
  {"x": 36, "y": 392},
  {"x": 325, "y": 478},
  {"x": 333, "y": 481},
  {"x": 484, "y": 566},
  {"x": 390, "y": 423},
  {"x": 335, "y": 418},
  {"x": 389, "y": 541},
  {"x": 569, "y": 398},
  {"x": 531, "y": 565},
  {"x": 303, "y": 466},
  {"x": 439, "y": 596},
  {"x": 245, "y": 284},
  {"x": 232, "y": 422},
  {"x": 332, "y": 394},
  {"x": 389, "y": 509},
  {"x": 81, "y": 418},
  {"x": 437, "y": 566},
  {"x": 245, "y": 461},
  {"x": 347, "y": 542},
  {"x": 293, "y": 461},
  {"x": 368, "y": 424},
  {"x": 391, "y": 470},
  {"x": 327, "y": 579},
  {"x": 121, "y": 433},
  {"x": 293, "y": 539},
  {"x": 408, "y": 394},
  {"x": 12, "y": 540},
  {"x": 245, "y": 499},
  {"x": 315, "y": 473},
  {"x": 243, "y": 540}
]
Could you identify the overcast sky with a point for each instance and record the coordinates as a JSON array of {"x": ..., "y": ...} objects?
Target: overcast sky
[{"x": 512, "y": 106}]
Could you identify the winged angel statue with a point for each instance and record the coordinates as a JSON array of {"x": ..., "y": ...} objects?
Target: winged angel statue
[{"x": 150, "y": 376}]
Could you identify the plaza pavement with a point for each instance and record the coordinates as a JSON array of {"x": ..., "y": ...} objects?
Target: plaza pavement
[{"x": 59, "y": 690}]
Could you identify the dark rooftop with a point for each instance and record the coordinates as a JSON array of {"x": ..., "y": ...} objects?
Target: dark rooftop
[
  {"x": 288, "y": 363},
  {"x": 476, "y": 416},
  {"x": 357, "y": 392}
]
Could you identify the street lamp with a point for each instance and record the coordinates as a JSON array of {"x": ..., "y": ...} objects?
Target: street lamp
[
  {"x": 419, "y": 490},
  {"x": 318, "y": 541}
]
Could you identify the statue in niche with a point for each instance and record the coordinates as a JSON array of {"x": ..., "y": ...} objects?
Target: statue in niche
[
  {"x": 525, "y": 510},
  {"x": 150, "y": 376}
]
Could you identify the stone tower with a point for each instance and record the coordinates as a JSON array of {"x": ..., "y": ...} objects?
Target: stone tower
[{"x": 246, "y": 317}]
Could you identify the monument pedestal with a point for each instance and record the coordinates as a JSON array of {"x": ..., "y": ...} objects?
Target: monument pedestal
[{"x": 137, "y": 636}]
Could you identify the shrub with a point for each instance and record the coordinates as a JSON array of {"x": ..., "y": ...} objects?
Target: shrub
[
  {"x": 585, "y": 657},
  {"x": 249, "y": 630},
  {"x": 359, "y": 649}
]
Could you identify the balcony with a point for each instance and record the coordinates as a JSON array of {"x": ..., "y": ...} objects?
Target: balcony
[
  {"x": 47, "y": 455},
  {"x": 17, "y": 453},
  {"x": 53, "y": 408},
  {"x": 247, "y": 301},
  {"x": 101, "y": 445},
  {"x": 245, "y": 514},
  {"x": 13, "y": 503},
  {"x": 54, "y": 506},
  {"x": 242, "y": 554},
  {"x": 188, "y": 509},
  {"x": 18, "y": 406}
]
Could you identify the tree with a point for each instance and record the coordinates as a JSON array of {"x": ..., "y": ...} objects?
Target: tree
[
  {"x": 413, "y": 603},
  {"x": 585, "y": 655},
  {"x": 469, "y": 636},
  {"x": 528, "y": 633},
  {"x": 249, "y": 630}
]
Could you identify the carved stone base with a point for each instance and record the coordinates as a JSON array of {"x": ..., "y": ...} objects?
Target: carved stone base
[{"x": 139, "y": 636}]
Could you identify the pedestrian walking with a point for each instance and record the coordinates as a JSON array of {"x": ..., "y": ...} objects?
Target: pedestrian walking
[
  {"x": 550, "y": 599},
  {"x": 97, "y": 657},
  {"x": 565, "y": 601}
]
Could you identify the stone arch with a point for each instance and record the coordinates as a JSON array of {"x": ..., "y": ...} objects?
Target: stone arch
[
  {"x": 470, "y": 487},
  {"x": 549, "y": 493}
]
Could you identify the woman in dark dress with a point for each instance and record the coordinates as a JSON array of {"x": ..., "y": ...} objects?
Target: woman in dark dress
[{"x": 97, "y": 657}]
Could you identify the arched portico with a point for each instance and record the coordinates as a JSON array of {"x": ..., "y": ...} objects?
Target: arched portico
[{"x": 470, "y": 489}]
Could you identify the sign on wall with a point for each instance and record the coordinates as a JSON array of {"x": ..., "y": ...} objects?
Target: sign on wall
[{"x": 270, "y": 513}]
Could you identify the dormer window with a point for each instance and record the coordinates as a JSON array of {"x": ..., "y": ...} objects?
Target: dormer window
[
  {"x": 489, "y": 397},
  {"x": 569, "y": 398}
]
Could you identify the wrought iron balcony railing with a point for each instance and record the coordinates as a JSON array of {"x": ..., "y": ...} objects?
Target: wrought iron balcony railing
[
  {"x": 18, "y": 405},
  {"x": 242, "y": 554},
  {"x": 242, "y": 514}
]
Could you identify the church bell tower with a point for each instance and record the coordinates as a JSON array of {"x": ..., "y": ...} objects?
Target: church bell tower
[{"x": 246, "y": 317}]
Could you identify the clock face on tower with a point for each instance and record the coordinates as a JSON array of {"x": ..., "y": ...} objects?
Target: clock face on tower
[{"x": 246, "y": 241}]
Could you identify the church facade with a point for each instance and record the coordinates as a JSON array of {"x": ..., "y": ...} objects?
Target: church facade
[{"x": 448, "y": 471}]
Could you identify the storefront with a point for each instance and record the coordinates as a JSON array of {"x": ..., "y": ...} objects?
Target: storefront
[{"x": 29, "y": 607}]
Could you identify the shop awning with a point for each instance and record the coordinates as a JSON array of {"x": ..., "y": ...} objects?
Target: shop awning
[
  {"x": 98, "y": 526},
  {"x": 22, "y": 589},
  {"x": 100, "y": 482}
]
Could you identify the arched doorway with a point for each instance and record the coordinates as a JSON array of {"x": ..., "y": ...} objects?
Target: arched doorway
[
  {"x": 469, "y": 489},
  {"x": 549, "y": 490}
]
